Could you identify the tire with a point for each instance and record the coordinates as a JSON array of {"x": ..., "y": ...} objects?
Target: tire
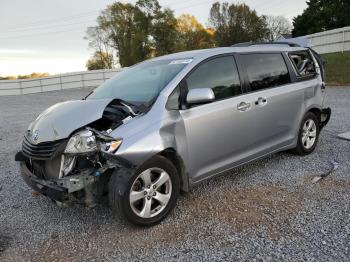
[
  {"x": 148, "y": 195},
  {"x": 308, "y": 135}
]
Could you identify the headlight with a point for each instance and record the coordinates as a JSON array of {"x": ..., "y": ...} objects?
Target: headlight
[
  {"x": 81, "y": 142},
  {"x": 113, "y": 146}
]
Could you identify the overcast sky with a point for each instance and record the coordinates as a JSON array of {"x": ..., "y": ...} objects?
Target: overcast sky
[{"x": 47, "y": 35}]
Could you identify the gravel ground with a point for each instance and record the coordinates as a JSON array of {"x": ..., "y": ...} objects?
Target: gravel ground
[{"x": 268, "y": 210}]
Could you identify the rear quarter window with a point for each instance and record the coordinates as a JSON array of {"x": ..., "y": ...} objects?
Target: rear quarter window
[
  {"x": 265, "y": 70},
  {"x": 303, "y": 64}
]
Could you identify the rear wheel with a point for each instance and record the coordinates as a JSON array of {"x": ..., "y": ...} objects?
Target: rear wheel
[
  {"x": 308, "y": 134},
  {"x": 150, "y": 194}
]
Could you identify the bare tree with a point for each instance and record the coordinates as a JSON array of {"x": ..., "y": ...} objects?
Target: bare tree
[
  {"x": 277, "y": 25},
  {"x": 100, "y": 42}
]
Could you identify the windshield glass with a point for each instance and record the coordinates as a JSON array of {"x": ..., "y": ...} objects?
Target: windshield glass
[{"x": 141, "y": 83}]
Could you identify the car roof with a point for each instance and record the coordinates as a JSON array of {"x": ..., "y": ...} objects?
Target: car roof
[{"x": 204, "y": 53}]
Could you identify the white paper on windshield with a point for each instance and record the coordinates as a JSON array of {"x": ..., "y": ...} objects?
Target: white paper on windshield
[{"x": 180, "y": 61}]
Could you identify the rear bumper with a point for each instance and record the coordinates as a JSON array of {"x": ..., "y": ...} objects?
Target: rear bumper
[{"x": 325, "y": 116}]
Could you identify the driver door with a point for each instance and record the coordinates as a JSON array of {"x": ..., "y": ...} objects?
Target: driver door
[{"x": 218, "y": 134}]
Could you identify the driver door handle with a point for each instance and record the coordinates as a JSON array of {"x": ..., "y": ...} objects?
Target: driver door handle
[{"x": 243, "y": 106}]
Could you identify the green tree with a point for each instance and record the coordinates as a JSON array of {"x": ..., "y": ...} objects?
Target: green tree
[
  {"x": 135, "y": 32},
  {"x": 322, "y": 15},
  {"x": 164, "y": 32},
  {"x": 100, "y": 60},
  {"x": 236, "y": 23},
  {"x": 192, "y": 34},
  {"x": 124, "y": 26},
  {"x": 160, "y": 25}
]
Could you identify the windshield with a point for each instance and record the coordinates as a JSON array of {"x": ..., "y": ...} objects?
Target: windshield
[{"x": 141, "y": 83}]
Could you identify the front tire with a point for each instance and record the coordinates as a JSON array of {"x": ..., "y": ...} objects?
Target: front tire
[
  {"x": 150, "y": 193},
  {"x": 308, "y": 134}
]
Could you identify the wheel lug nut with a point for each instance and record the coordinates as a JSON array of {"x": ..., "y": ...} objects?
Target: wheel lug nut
[
  {"x": 154, "y": 187},
  {"x": 145, "y": 193},
  {"x": 155, "y": 193},
  {"x": 148, "y": 198},
  {"x": 148, "y": 186}
]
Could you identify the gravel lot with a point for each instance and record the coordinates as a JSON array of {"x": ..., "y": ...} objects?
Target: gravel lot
[{"x": 268, "y": 210}]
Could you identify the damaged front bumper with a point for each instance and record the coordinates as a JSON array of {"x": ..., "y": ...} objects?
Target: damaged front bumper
[
  {"x": 86, "y": 187},
  {"x": 58, "y": 189}
]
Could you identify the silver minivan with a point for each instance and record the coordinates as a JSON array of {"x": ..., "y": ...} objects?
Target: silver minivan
[{"x": 166, "y": 124}]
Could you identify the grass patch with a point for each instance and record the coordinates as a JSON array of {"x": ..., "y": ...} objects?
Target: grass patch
[{"x": 337, "y": 68}]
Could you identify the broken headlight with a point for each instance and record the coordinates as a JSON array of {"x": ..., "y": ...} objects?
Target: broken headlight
[
  {"x": 81, "y": 142},
  {"x": 113, "y": 146}
]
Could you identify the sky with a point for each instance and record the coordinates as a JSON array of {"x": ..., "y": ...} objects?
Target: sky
[{"x": 48, "y": 35}]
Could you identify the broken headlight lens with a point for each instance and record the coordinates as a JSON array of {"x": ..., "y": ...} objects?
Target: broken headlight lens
[
  {"x": 113, "y": 146},
  {"x": 81, "y": 142}
]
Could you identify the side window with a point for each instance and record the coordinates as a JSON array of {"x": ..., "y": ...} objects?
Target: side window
[
  {"x": 303, "y": 64},
  {"x": 220, "y": 74},
  {"x": 173, "y": 102},
  {"x": 265, "y": 70}
]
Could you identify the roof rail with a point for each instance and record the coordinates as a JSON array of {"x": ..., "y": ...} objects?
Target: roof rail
[{"x": 265, "y": 43}]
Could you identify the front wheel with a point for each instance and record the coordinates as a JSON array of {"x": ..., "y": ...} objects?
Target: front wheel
[
  {"x": 149, "y": 195},
  {"x": 308, "y": 134}
]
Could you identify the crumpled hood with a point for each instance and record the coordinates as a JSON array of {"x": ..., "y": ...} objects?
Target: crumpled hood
[{"x": 60, "y": 120}]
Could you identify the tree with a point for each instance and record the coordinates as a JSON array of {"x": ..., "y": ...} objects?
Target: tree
[
  {"x": 100, "y": 60},
  {"x": 33, "y": 75},
  {"x": 124, "y": 25},
  {"x": 8, "y": 77},
  {"x": 236, "y": 23},
  {"x": 164, "y": 32},
  {"x": 161, "y": 26},
  {"x": 135, "y": 32},
  {"x": 192, "y": 34},
  {"x": 100, "y": 41},
  {"x": 277, "y": 25},
  {"x": 322, "y": 15}
]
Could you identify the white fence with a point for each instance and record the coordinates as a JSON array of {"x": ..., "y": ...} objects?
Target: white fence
[
  {"x": 331, "y": 41},
  {"x": 85, "y": 79}
]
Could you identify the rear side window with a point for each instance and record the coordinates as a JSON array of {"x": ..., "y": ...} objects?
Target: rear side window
[
  {"x": 265, "y": 70},
  {"x": 220, "y": 74},
  {"x": 303, "y": 64}
]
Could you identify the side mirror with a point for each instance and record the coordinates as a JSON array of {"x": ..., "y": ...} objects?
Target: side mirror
[{"x": 200, "y": 95}]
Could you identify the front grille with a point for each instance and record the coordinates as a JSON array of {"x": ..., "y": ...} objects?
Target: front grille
[{"x": 42, "y": 151}]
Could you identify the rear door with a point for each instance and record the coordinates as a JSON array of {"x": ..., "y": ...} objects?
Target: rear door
[
  {"x": 278, "y": 102},
  {"x": 220, "y": 133}
]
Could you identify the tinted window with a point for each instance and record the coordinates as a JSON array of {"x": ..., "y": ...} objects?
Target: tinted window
[
  {"x": 265, "y": 70},
  {"x": 303, "y": 64},
  {"x": 220, "y": 74}
]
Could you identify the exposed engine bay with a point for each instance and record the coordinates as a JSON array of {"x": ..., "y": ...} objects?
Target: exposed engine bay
[{"x": 79, "y": 165}]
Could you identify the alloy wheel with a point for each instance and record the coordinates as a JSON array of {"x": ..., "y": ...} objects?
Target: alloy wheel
[
  {"x": 150, "y": 193},
  {"x": 309, "y": 134}
]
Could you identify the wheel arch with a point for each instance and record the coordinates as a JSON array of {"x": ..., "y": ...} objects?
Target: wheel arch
[
  {"x": 175, "y": 158},
  {"x": 317, "y": 112}
]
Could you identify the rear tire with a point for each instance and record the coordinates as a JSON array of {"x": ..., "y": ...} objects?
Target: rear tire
[
  {"x": 148, "y": 195},
  {"x": 308, "y": 135}
]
